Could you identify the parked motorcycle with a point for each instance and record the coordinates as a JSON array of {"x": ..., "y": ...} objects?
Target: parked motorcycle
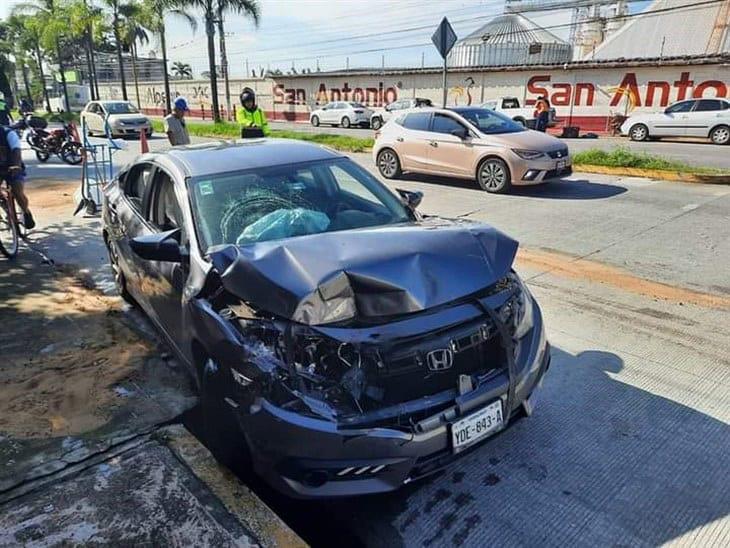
[{"x": 57, "y": 141}]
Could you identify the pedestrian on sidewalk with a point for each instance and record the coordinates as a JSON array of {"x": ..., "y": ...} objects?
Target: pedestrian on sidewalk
[
  {"x": 175, "y": 127},
  {"x": 542, "y": 108}
]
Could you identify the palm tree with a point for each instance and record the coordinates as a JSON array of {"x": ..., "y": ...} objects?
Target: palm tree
[
  {"x": 114, "y": 6},
  {"x": 243, "y": 7},
  {"x": 17, "y": 41},
  {"x": 213, "y": 11},
  {"x": 132, "y": 30},
  {"x": 183, "y": 71},
  {"x": 156, "y": 11},
  {"x": 51, "y": 22},
  {"x": 86, "y": 24}
]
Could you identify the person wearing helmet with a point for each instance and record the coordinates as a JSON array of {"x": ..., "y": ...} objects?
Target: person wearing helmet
[
  {"x": 250, "y": 115},
  {"x": 175, "y": 128}
]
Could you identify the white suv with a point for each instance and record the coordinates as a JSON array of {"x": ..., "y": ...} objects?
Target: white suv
[{"x": 708, "y": 118}]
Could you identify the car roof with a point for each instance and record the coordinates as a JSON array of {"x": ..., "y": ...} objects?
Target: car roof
[{"x": 226, "y": 156}]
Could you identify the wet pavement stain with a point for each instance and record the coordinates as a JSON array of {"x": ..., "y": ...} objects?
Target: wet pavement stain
[
  {"x": 468, "y": 526},
  {"x": 446, "y": 522},
  {"x": 462, "y": 499},
  {"x": 439, "y": 496},
  {"x": 491, "y": 479}
]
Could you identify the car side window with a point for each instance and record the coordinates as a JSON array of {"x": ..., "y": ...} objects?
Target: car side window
[
  {"x": 445, "y": 124},
  {"x": 341, "y": 106},
  {"x": 417, "y": 120},
  {"x": 706, "y": 105},
  {"x": 165, "y": 212},
  {"x": 136, "y": 184},
  {"x": 684, "y": 106},
  {"x": 348, "y": 183}
]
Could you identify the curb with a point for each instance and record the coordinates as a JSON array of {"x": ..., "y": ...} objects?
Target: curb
[
  {"x": 655, "y": 174},
  {"x": 269, "y": 529}
]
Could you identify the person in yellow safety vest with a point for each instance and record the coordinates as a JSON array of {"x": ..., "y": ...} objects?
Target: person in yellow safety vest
[{"x": 250, "y": 114}]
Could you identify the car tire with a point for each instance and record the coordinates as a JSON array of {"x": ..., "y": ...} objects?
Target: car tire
[
  {"x": 389, "y": 164},
  {"x": 494, "y": 176},
  {"x": 315, "y": 121},
  {"x": 720, "y": 135},
  {"x": 376, "y": 124},
  {"x": 639, "y": 132},
  {"x": 222, "y": 432},
  {"x": 120, "y": 281},
  {"x": 345, "y": 122}
]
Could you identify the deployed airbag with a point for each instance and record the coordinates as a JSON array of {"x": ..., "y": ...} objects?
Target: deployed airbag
[{"x": 284, "y": 223}]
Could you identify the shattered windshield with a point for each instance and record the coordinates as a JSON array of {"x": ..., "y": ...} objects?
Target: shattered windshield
[{"x": 292, "y": 200}]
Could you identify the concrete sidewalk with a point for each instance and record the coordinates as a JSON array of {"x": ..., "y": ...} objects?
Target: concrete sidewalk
[{"x": 87, "y": 397}]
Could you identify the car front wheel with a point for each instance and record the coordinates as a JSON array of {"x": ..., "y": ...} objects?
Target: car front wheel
[
  {"x": 639, "y": 132},
  {"x": 315, "y": 121},
  {"x": 376, "y": 123},
  {"x": 388, "y": 164},
  {"x": 720, "y": 135},
  {"x": 493, "y": 176}
]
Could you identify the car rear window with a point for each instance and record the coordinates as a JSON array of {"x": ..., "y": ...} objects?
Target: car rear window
[
  {"x": 709, "y": 104},
  {"x": 417, "y": 120}
]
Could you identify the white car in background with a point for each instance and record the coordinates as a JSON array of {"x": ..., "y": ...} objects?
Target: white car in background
[
  {"x": 341, "y": 113},
  {"x": 122, "y": 116},
  {"x": 708, "y": 118},
  {"x": 379, "y": 118}
]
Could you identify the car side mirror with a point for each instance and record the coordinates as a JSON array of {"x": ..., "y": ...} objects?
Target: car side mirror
[
  {"x": 412, "y": 198},
  {"x": 461, "y": 133},
  {"x": 162, "y": 246}
]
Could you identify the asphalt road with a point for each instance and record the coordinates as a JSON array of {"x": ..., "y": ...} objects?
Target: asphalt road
[
  {"x": 694, "y": 152},
  {"x": 630, "y": 442}
]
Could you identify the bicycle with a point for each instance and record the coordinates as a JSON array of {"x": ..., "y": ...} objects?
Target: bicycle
[{"x": 12, "y": 228}]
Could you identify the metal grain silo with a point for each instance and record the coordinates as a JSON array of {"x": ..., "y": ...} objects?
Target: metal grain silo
[{"x": 510, "y": 39}]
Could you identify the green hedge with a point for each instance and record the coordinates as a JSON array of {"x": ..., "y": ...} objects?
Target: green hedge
[{"x": 233, "y": 131}]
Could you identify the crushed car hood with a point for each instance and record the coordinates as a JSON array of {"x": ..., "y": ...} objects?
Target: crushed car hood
[{"x": 366, "y": 273}]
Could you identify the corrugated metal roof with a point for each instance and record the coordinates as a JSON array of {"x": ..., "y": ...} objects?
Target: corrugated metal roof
[
  {"x": 511, "y": 28},
  {"x": 677, "y": 32}
]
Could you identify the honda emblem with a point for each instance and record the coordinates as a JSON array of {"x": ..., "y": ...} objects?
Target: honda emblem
[{"x": 440, "y": 360}]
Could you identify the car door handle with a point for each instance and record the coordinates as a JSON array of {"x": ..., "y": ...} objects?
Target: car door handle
[
  {"x": 433, "y": 144},
  {"x": 399, "y": 139}
]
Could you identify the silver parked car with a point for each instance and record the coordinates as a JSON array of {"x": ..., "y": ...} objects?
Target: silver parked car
[
  {"x": 342, "y": 113},
  {"x": 708, "y": 118},
  {"x": 122, "y": 118},
  {"x": 379, "y": 118}
]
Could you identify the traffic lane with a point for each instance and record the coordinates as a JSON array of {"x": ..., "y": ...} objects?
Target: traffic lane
[
  {"x": 624, "y": 446},
  {"x": 333, "y": 130},
  {"x": 698, "y": 153},
  {"x": 667, "y": 232}
]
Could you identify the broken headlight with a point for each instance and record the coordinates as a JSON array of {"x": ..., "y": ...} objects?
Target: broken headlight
[{"x": 517, "y": 312}]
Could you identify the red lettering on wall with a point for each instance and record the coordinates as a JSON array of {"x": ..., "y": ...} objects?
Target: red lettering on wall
[
  {"x": 561, "y": 97},
  {"x": 651, "y": 90},
  {"x": 682, "y": 85},
  {"x": 322, "y": 94},
  {"x": 590, "y": 91},
  {"x": 358, "y": 95},
  {"x": 536, "y": 90},
  {"x": 719, "y": 87},
  {"x": 627, "y": 86}
]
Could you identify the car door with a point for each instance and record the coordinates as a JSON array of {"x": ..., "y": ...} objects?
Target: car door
[
  {"x": 673, "y": 121},
  {"x": 411, "y": 140},
  {"x": 127, "y": 210},
  {"x": 166, "y": 280},
  {"x": 703, "y": 117},
  {"x": 98, "y": 119},
  {"x": 328, "y": 113},
  {"x": 449, "y": 154}
]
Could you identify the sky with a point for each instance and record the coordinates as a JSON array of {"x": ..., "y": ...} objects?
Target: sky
[{"x": 305, "y": 33}]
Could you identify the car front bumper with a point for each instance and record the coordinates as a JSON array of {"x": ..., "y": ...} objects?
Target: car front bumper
[
  {"x": 534, "y": 172},
  {"x": 131, "y": 130},
  {"x": 305, "y": 457}
]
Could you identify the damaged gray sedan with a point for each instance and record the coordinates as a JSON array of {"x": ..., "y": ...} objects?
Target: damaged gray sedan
[{"x": 346, "y": 343}]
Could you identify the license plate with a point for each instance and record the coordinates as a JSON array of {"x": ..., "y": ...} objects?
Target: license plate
[
  {"x": 562, "y": 164},
  {"x": 476, "y": 426}
]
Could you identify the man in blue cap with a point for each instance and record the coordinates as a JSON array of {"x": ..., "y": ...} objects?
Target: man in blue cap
[{"x": 175, "y": 128}]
